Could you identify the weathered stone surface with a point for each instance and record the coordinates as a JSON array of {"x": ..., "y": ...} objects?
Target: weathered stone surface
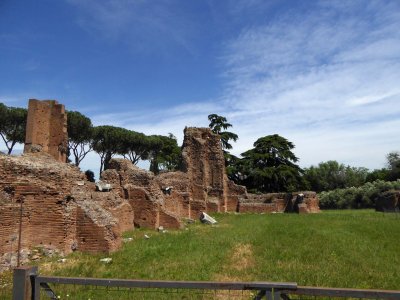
[
  {"x": 165, "y": 199},
  {"x": 176, "y": 192},
  {"x": 58, "y": 211},
  {"x": 280, "y": 202},
  {"x": 312, "y": 202},
  {"x": 205, "y": 165},
  {"x": 144, "y": 193},
  {"x": 46, "y": 129}
]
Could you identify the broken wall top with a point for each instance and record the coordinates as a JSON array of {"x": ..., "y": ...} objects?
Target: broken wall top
[
  {"x": 46, "y": 129},
  {"x": 41, "y": 168}
]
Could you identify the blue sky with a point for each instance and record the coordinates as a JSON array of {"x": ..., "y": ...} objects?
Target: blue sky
[{"x": 323, "y": 74}]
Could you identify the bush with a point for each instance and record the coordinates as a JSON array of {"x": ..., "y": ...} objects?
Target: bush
[
  {"x": 90, "y": 176},
  {"x": 356, "y": 197}
]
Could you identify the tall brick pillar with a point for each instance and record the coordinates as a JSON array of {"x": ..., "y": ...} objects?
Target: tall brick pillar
[
  {"x": 205, "y": 165},
  {"x": 46, "y": 129}
]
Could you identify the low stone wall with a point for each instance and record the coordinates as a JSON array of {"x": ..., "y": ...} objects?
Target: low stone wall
[
  {"x": 280, "y": 202},
  {"x": 257, "y": 208}
]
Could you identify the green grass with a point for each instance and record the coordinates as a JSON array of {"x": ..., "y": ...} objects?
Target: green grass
[{"x": 354, "y": 249}]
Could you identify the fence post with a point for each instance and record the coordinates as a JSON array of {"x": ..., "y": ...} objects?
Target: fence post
[
  {"x": 22, "y": 285},
  {"x": 277, "y": 294}
]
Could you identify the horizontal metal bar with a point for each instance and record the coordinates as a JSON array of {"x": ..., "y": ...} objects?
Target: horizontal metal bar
[
  {"x": 344, "y": 292},
  {"x": 207, "y": 285}
]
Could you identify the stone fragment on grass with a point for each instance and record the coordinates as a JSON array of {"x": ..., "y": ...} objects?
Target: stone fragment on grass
[
  {"x": 106, "y": 260},
  {"x": 206, "y": 219}
]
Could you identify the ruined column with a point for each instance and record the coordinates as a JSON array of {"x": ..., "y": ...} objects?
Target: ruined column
[
  {"x": 46, "y": 129},
  {"x": 205, "y": 165}
]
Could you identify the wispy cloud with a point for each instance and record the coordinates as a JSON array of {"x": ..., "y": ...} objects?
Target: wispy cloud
[
  {"x": 137, "y": 23},
  {"x": 326, "y": 79},
  {"x": 331, "y": 74},
  {"x": 324, "y": 74}
]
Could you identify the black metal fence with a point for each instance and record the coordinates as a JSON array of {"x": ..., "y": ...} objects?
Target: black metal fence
[{"x": 29, "y": 285}]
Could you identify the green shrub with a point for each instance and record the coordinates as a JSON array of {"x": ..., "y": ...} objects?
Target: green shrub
[{"x": 356, "y": 197}]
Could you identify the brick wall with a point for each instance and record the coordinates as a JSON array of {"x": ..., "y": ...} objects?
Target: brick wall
[
  {"x": 279, "y": 202},
  {"x": 60, "y": 208},
  {"x": 46, "y": 129},
  {"x": 205, "y": 165}
]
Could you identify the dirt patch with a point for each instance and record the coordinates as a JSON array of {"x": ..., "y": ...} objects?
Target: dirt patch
[
  {"x": 221, "y": 294},
  {"x": 49, "y": 267},
  {"x": 242, "y": 257},
  {"x": 226, "y": 294}
]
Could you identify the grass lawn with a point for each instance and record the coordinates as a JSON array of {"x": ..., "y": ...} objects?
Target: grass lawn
[{"x": 354, "y": 249}]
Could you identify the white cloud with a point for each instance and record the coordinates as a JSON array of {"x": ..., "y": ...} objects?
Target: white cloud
[
  {"x": 142, "y": 26},
  {"x": 327, "y": 80}
]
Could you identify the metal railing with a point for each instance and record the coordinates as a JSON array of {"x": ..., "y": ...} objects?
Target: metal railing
[
  {"x": 343, "y": 293},
  {"x": 29, "y": 285}
]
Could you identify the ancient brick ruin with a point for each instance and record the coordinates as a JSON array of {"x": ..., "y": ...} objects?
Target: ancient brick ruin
[
  {"x": 205, "y": 166},
  {"x": 46, "y": 129},
  {"x": 166, "y": 199},
  {"x": 61, "y": 209},
  {"x": 300, "y": 202}
]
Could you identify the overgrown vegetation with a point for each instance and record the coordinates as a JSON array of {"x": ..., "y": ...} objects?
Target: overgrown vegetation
[
  {"x": 354, "y": 249},
  {"x": 356, "y": 197}
]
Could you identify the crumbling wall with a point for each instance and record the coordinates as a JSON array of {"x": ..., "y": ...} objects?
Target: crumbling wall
[
  {"x": 311, "y": 202},
  {"x": 264, "y": 203},
  {"x": 46, "y": 129},
  {"x": 43, "y": 222},
  {"x": 301, "y": 202},
  {"x": 205, "y": 165},
  {"x": 165, "y": 199},
  {"x": 60, "y": 208},
  {"x": 176, "y": 193},
  {"x": 152, "y": 208}
]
